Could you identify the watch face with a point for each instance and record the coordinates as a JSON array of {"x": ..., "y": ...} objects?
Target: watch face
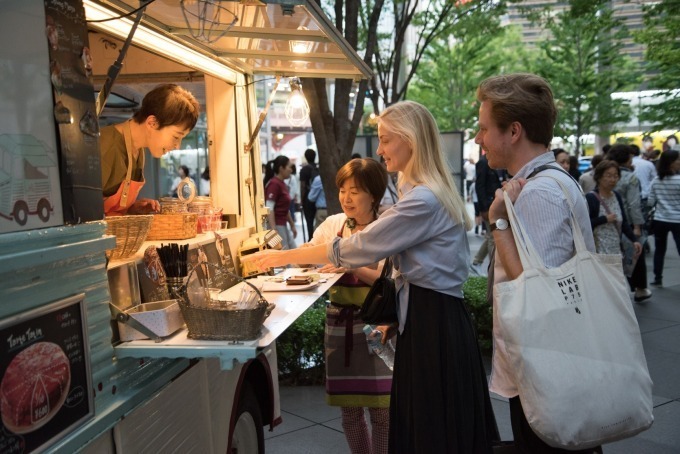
[{"x": 502, "y": 224}]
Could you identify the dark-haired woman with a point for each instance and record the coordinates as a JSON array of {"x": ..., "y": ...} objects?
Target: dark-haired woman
[
  {"x": 167, "y": 115},
  {"x": 355, "y": 379},
  {"x": 277, "y": 199},
  {"x": 665, "y": 194},
  {"x": 607, "y": 213}
]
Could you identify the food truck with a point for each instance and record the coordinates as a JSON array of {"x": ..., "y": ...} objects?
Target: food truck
[{"x": 72, "y": 376}]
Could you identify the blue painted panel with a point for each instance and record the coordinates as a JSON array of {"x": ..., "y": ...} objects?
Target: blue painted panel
[{"x": 38, "y": 267}]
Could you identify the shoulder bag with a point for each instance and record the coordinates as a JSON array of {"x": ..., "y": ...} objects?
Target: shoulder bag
[
  {"x": 380, "y": 305},
  {"x": 574, "y": 343}
]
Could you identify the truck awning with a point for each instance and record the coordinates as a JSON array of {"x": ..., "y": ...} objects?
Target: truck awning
[{"x": 282, "y": 37}]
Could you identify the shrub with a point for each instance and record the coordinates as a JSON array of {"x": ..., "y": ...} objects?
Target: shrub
[
  {"x": 300, "y": 348},
  {"x": 481, "y": 311}
]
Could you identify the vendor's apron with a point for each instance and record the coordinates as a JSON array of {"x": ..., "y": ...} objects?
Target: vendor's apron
[
  {"x": 354, "y": 377},
  {"x": 118, "y": 203}
]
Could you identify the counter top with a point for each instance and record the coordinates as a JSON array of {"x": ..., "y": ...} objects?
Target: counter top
[{"x": 289, "y": 306}]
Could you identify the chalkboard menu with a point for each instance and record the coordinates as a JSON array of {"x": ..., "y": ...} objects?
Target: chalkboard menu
[
  {"x": 74, "y": 111},
  {"x": 45, "y": 383}
]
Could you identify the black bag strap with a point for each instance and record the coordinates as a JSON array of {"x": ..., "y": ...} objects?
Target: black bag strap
[
  {"x": 540, "y": 169},
  {"x": 387, "y": 268}
]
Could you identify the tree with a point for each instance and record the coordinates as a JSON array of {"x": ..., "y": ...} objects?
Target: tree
[
  {"x": 429, "y": 21},
  {"x": 336, "y": 130},
  {"x": 452, "y": 67},
  {"x": 584, "y": 64},
  {"x": 661, "y": 35}
]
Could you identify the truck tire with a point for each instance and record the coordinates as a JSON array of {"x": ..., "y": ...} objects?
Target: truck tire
[
  {"x": 20, "y": 212},
  {"x": 44, "y": 209},
  {"x": 248, "y": 436}
]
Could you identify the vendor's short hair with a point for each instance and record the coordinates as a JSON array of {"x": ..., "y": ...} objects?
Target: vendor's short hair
[{"x": 171, "y": 105}]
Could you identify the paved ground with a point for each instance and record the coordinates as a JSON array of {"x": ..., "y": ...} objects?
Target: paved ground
[{"x": 311, "y": 426}]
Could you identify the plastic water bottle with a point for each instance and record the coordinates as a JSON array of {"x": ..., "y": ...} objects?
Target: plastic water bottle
[{"x": 385, "y": 352}]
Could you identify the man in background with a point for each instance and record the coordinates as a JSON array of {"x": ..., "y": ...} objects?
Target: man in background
[{"x": 307, "y": 174}]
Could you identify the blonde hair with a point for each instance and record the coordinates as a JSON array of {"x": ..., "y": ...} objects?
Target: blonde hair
[{"x": 414, "y": 124}]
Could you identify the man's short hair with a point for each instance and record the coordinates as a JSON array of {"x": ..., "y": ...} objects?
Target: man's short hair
[
  {"x": 310, "y": 155},
  {"x": 523, "y": 98},
  {"x": 620, "y": 153}
]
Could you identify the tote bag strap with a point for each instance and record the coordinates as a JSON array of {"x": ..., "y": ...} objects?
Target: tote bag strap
[
  {"x": 527, "y": 253},
  {"x": 387, "y": 268}
]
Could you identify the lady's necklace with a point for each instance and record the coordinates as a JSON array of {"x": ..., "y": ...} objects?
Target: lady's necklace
[{"x": 351, "y": 223}]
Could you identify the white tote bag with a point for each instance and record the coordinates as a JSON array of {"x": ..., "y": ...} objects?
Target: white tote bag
[{"x": 573, "y": 341}]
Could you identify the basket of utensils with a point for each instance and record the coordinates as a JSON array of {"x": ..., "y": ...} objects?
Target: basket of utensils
[
  {"x": 208, "y": 315},
  {"x": 130, "y": 232}
]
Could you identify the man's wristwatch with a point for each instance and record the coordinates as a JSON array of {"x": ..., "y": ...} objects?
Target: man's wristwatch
[{"x": 500, "y": 224}]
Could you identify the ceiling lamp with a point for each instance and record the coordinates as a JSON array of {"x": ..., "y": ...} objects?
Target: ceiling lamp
[
  {"x": 297, "y": 109},
  {"x": 207, "y": 20},
  {"x": 299, "y": 46}
]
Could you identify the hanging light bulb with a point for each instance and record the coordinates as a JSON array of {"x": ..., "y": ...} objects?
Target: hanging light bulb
[
  {"x": 301, "y": 46},
  {"x": 297, "y": 109}
]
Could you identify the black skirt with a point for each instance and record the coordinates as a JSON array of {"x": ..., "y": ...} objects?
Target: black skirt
[{"x": 440, "y": 397}]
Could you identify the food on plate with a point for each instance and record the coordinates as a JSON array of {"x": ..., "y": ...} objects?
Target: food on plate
[{"x": 34, "y": 387}]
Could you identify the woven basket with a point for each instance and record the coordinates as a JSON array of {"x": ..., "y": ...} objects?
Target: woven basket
[
  {"x": 176, "y": 226},
  {"x": 220, "y": 321},
  {"x": 209, "y": 323},
  {"x": 130, "y": 233}
]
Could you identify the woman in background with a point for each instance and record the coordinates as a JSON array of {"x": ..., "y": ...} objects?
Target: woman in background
[
  {"x": 562, "y": 158},
  {"x": 607, "y": 213},
  {"x": 665, "y": 194},
  {"x": 278, "y": 199}
]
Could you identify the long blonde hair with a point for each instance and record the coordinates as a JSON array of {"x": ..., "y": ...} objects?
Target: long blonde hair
[{"x": 416, "y": 125}]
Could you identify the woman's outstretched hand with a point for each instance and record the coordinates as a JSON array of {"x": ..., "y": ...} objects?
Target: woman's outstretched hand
[{"x": 270, "y": 258}]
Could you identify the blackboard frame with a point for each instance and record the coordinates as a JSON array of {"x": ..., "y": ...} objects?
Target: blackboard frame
[{"x": 63, "y": 322}]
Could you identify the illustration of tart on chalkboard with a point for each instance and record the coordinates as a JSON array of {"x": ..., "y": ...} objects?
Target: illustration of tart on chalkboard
[{"x": 34, "y": 387}]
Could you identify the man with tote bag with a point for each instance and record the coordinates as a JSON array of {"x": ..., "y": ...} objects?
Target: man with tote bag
[{"x": 548, "y": 414}]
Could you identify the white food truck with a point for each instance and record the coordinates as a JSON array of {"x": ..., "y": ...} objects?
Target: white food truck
[{"x": 67, "y": 381}]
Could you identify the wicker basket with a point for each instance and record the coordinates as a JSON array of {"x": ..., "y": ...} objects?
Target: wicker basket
[
  {"x": 176, "y": 226},
  {"x": 220, "y": 320},
  {"x": 130, "y": 233},
  {"x": 212, "y": 323}
]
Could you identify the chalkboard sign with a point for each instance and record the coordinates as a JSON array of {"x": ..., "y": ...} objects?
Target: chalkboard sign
[
  {"x": 74, "y": 111},
  {"x": 45, "y": 382}
]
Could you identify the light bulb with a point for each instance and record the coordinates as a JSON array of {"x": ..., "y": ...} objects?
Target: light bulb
[{"x": 297, "y": 109}]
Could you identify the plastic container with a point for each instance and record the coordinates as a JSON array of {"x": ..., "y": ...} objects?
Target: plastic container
[{"x": 385, "y": 352}]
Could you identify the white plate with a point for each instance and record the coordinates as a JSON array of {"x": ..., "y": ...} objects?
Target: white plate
[{"x": 283, "y": 287}]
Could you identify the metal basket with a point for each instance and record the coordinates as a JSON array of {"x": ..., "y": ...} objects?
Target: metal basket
[
  {"x": 130, "y": 233},
  {"x": 221, "y": 321}
]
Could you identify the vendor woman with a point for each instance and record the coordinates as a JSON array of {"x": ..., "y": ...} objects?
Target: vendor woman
[{"x": 167, "y": 115}]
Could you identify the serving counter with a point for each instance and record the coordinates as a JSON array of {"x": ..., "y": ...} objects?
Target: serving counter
[{"x": 289, "y": 305}]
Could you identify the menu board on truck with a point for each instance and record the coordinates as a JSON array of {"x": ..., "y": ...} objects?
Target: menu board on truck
[
  {"x": 70, "y": 64},
  {"x": 45, "y": 382}
]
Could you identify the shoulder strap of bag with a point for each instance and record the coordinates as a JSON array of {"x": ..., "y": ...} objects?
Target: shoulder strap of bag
[
  {"x": 602, "y": 202},
  {"x": 387, "y": 268},
  {"x": 527, "y": 253}
]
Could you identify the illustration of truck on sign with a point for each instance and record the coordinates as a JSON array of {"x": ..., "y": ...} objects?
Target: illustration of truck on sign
[{"x": 25, "y": 185}]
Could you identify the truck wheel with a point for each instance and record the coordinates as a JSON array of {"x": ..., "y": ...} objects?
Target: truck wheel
[
  {"x": 248, "y": 436},
  {"x": 20, "y": 212},
  {"x": 44, "y": 209}
]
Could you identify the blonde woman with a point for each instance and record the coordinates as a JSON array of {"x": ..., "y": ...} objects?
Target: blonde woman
[{"x": 440, "y": 401}]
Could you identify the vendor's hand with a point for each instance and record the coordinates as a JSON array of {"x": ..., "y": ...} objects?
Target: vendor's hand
[
  {"x": 269, "y": 258},
  {"x": 513, "y": 188},
  {"x": 145, "y": 206},
  {"x": 611, "y": 218}
]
